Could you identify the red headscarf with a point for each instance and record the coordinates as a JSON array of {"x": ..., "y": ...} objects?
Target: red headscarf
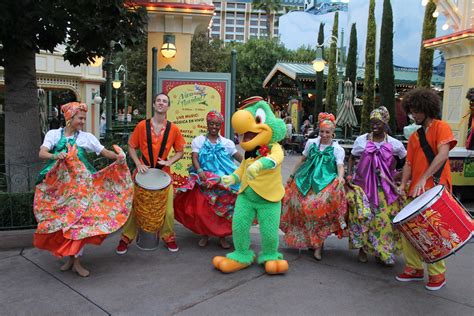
[
  {"x": 215, "y": 116},
  {"x": 326, "y": 120},
  {"x": 70, "y": 109}
]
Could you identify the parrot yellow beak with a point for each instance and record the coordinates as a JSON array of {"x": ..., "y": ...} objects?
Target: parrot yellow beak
[{"x": 254, "y": 134}]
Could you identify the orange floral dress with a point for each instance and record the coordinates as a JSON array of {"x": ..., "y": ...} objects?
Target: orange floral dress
[{"x": 74, "y": 206}]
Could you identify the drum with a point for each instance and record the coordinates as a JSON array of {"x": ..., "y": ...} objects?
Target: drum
[
  {"x": 435, "y": 224},
  {"x": 150, "y": 197}
]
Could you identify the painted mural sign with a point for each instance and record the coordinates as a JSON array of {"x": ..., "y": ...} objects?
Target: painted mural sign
[{"x": 192, "y": 96}]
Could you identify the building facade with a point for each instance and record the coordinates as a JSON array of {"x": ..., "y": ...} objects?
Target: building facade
[{"x": 238, "y": 21}]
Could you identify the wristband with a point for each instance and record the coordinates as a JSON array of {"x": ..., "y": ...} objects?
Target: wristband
[{"x": 199, "y": 170}]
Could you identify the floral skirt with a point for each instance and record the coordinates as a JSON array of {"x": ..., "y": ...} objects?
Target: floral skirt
[
  {"x": 74, "y": 207},
  {"x": 205, "y": 208},
  {"x": 370, "y": 228},
  {"x": 308, "y": 220}
]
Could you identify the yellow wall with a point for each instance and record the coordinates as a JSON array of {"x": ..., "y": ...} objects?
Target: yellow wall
[
  {"x": 459, "y": 78},
  {"x": 181, "y": 61}
]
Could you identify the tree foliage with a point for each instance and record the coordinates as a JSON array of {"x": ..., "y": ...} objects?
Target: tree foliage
[
  {"x": 387, "y": 79},
  {"x": 351, "y": 65},
  {"x": 208, "y": 55},
  {"x": 85, "y": 28},
  {"x": 425, "y": 68},
  {"x": 331, "y": 87},
  {"x": 270, "y": 7},
  {"x": 319, "y": 77},
  {"x": 369, "y": 79},
  {"x": 255, "y": 60}
]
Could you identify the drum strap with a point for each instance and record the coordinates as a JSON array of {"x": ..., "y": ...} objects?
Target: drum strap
[
  {"x": 150, "y": 147},
  {"x": 429, "y": 153}
]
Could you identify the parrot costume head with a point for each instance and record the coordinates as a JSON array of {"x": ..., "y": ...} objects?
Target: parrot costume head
[{"x": 257, "y": 123}]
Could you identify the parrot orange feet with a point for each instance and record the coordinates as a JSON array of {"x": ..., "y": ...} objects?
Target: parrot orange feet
[
  {"x": 227, "y": 265},
  {"x": 276, "y": 266}
]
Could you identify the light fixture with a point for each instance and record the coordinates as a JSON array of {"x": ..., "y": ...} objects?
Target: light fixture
[
  {"x": 424, "y": 2},
  {"x": 319, "y": 63},
  {"x": 97, "y": 61},
  {"x": 435, "y": 14},
  {"x": 116, "y": 83},
  {"x": 445, "y": 26},
  {"x": 168, "y": 50}
]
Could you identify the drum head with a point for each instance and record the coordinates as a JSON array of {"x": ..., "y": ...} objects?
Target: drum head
[
  {"x": 418, "y": 204},
  {"x": 153, "y": 179}
]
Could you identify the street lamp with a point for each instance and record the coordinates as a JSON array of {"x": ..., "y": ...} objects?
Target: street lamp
[
  {"x": 117, "y": 84},
  {"x": 168, "y": 49},
  {"x": 319, "y": 62}
]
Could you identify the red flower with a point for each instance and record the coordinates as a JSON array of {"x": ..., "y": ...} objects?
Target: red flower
[{"x": 263, "y": 151}]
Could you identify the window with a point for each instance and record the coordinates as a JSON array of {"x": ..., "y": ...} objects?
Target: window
[
  {"x": 215, "y": 36},
  {"x": 254, "y": 16},
  {"x": 239, "y": 29},
  {"x": 253, "y": 22},
  {"x": 230, "y": 15},
  {"x": 240, "y": 22},
  {"x": 239, "y": 37},
  {"x": 240, "y": 5},
  {"x": 229, "y": 29},
  {"x": 216, "y": 28},
  {"x": 240, "y": 15},
  {"x": 229, "y": 36},
  {"x": 253, "y": 30},
  {"x": 230, "y": 21},
  {"x": 230, "y": 5}
]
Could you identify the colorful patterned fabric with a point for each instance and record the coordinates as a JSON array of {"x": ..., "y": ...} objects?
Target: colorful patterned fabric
[
  {"x": 326, "y": 120},
  {"x": 370, "y": 228},
  {"x": 80, "y": 204},
  {"x": 206, "y": 208},
  {"x": 381, "y": 113},
  {"x": 308, "y": 220},
  {"x": 70, "y": 109},
  {"x": 214, "y": 116},
  {"x": 150, "y": 208}
]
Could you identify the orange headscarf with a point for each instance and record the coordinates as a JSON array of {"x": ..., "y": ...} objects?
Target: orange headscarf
[
  {"x": 70, "y": 109},
  {"x": 326, "y": 120}
]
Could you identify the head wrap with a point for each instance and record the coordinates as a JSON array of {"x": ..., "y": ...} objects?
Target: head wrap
[
  {"x": 326, "y": 120},
  {"x": 215, "y": 116},
  {"x": 380, "y": 113},
  {"x": 70, "y": 109}
]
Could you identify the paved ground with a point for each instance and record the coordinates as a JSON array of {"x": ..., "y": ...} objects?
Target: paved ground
[{"x": 184, "y": 283}]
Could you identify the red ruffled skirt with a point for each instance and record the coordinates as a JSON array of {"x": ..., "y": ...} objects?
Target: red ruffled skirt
[{"x": 205, "y": 211}]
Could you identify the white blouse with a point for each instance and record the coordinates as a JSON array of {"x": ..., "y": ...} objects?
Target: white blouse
[
  {"x": 361, "y": 141},
  {"x": 85, "y": 140},
  {"x": 339, "y": 152},
  {"x": 199, "y": 141}
]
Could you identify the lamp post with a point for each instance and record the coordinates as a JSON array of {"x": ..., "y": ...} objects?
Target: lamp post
[
  {"x": 117, "y": 84},
  {"x": 108, "y": 95},
  {"x": 319, "y": 63}
]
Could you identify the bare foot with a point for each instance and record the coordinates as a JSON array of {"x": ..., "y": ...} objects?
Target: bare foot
[
  {"x": 79, "y": 269},
  {"x": 68, "y": 265},
  {"x": 203, "y": 241},
  {"x": 318, "y": 254},
  {"x": 224, "y": 244}
]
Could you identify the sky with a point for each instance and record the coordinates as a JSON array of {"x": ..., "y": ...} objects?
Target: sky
[{"x": 407, "y": 26}]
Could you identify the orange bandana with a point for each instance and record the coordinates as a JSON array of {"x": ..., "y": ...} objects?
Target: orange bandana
[{"x": 70, "y": 109}]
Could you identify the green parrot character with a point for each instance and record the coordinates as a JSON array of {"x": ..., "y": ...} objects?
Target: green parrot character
[{"x": 261, "y": 188}]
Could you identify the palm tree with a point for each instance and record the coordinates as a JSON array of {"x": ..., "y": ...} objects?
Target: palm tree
[{"x": 270, "y": 7}]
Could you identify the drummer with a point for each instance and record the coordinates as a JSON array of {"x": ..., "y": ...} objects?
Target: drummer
[
  {"x": 424, "y": 105},
  {"x": 138, "y": 140}
]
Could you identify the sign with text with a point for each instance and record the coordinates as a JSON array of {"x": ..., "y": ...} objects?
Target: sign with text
[{"x": 193, "y": 95}]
